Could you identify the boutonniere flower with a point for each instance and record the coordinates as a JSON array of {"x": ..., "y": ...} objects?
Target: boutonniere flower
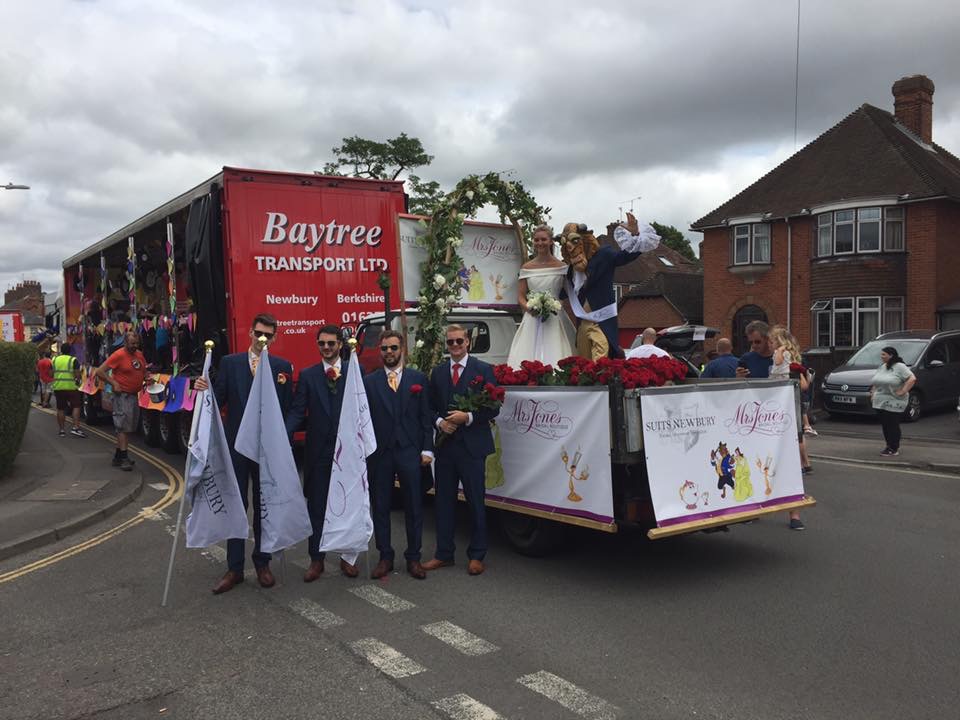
[
  {"x": 332, "y": 376},
  {"x": 416, "y": 389},
  {"x": 281, "y": 378},
  {"x": 477, "y": 380}
]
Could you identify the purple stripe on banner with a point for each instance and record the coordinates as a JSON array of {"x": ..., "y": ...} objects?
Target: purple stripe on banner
[
  {"x": 729, "y": 511},
  {"x": 552, "y": 509}
]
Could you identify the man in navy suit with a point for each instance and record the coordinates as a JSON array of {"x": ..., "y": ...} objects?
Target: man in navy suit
[
  {"x": 403, "y": 423},
  {"x": 462, "y": 457},
  {"x": 316, "y": 405},
  {"x": 232, "y": 388}
]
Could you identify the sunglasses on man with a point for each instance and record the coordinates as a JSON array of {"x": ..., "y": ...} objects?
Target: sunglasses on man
[
  {"x": 455, "y": 341},
  {"x": 327, "y": 343},
  {"x": 264, "y": 333},
  {"x": 389, "y": 348}
]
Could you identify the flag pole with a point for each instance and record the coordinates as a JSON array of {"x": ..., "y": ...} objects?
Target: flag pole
[{"x": 208, "y": 348}]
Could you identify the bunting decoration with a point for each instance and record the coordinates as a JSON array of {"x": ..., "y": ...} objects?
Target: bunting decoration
[
  {"x": 172, "y": 292},
  {"x": 132, "y": 279},
  {"x": 103, "y": 306}
]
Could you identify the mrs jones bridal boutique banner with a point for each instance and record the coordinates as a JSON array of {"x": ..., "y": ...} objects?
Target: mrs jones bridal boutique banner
[
  {"x": 491, "y": 261},
  {"x": 554, "y": 448},
  {"x": 714, "y": 450}
]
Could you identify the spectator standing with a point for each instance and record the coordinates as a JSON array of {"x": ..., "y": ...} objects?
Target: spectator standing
[
  {"x": 66, "y": 389},
  {"x": 45, "y": 375},
  {"x": 127, "y": 377},
  {"x": 725, "y": 364},
  {"x": 648, "y": 347},
  {"x": 889, "y": 395}
]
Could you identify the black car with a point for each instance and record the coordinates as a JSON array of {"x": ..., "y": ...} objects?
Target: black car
[{"x": 933, "y": 357}]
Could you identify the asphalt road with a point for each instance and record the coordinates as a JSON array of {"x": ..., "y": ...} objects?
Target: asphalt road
[
  {"x": 934, "y": 425},
  {"x": 854, "y": 618}
]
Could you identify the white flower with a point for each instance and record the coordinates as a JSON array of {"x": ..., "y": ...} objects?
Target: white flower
[
  {"x": 439, "y": 281},
  {"x": 509, "y": 186},
  {"x": 462, "y": 216},
  {"x": 419, "y": 344},
  {"x": 469, "y": 194},
  {"x": 441, "y": 304},
  {"x": 456, "y": 242},
  {"x": 452, "y": 240},
  {"x": 423, "y": 301}
]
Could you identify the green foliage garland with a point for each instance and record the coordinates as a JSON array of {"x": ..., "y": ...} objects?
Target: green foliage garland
[{"x": 439, "y": 287}]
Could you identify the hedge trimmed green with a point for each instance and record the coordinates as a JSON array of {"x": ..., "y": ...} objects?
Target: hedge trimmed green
[{"x": 17, "y": 365}]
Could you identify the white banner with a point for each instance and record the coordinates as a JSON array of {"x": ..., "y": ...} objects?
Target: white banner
[
  {"x": 216, "y": 508},
  {"x": 553, "y": 452},
  {"x": 491, "y": 260},
  {"x": 347, "y": 525},
  {"x": 716, "y": 449},
  {"x": 262, "y": 438}
]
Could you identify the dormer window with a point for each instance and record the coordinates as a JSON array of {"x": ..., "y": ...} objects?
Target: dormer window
[{"x": 751, "y": 244}]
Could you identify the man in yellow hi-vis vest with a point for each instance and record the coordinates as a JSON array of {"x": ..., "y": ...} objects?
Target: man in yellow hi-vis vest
[{"x": 66, "y": 389}]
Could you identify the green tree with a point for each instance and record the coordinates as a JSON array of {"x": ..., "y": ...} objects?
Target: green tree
[
  {"x": 387, "y": 160},
  {"x": 673, "y": 238}
]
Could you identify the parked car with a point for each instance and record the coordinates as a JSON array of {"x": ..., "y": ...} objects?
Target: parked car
[
  {"x": 933, "y": 357},
  {"x": 684, "y": 342}
]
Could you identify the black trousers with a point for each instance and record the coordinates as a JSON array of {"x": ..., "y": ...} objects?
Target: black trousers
[
  {"x": 316, "y": 488},
  {"x": 248, "y": 475},
  {"x": 890, "y": 421}
]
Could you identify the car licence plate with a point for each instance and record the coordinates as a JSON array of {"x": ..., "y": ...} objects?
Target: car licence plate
[{"x": 844, "y": 399}]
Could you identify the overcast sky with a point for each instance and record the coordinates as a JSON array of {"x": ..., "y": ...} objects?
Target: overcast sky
[{"x": 108, "y": 109}]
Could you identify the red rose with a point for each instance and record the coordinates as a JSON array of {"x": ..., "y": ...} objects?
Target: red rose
[
  {"x": 332, "y": 374},
  {"x": 416, "y": 389}
]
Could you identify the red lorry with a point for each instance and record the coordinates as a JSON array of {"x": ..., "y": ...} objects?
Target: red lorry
[{"x": 307, "y": 248}]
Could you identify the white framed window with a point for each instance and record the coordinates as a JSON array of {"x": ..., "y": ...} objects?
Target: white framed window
[
  {"x": 664, "y": 260},
  {"x": 823, "y": 321},
  {"x": 761, "y": 243},
  {"x": 868, "y": 230},
  {"x": 892, "y": 314},
  {"x": 868, "y": 319},
  {"x": 741, "y": 245},
  {"x": 843, "y": 330},
  {"x": 825, "y": 234},
  {"x": 843, "y": 232},
  {"x": 820, "y": 305},
  {"x": 893, "y": 229}
]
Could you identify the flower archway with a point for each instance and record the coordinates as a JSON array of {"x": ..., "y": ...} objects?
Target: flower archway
[{"x": 439, "y": 286}]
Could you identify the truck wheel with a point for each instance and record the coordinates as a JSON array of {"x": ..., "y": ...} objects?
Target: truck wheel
[
  {"x": 150, "y": 426},
  {"x": 532, "y": 536},
  {"x": 914, "y": 407},
  {"x": 91, "y": 412},
  {"x": 169, "y": 428},
  {"x": 183, "y": 427}
]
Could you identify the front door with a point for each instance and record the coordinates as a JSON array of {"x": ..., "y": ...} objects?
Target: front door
[{"x": 745, "y": 315}]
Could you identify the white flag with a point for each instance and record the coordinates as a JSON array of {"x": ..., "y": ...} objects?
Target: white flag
[
  {"x": 216, "y": 508},
  {"x": 347, "y": 525},
  {"x": 262, "y": 437}
]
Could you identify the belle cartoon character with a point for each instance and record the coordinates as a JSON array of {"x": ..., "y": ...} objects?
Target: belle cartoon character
[
  {"x": 743, "y": 488},
  {"x": 477, "y": 291}
]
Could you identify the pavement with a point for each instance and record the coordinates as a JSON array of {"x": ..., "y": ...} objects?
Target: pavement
[{"x": 59, "y": 485}]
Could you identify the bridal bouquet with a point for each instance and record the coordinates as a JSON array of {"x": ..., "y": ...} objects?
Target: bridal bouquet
[{"x": 542, "y": 305}]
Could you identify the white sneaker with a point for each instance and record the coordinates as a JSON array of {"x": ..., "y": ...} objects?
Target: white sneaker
[{"x": 809, "y": 431}]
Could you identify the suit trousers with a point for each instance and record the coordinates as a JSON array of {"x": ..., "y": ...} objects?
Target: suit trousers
[
  {"x": 405, "y": 464},
  {"x": 456, "y": 466},
  {"x": 248, "y": 474},
  {"x": 316, "y": 488}
]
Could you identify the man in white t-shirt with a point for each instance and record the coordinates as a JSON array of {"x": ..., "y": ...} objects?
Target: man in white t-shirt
[{"x": 648, "y": 348}]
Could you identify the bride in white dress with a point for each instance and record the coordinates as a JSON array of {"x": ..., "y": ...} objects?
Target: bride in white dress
[{"x": 544, "y": 340}]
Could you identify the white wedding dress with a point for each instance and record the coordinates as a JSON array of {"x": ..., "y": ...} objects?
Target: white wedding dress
[{"x": 551, "y": 339}]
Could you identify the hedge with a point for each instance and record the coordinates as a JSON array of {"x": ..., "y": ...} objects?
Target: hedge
[{"x": 18, "y": 362}]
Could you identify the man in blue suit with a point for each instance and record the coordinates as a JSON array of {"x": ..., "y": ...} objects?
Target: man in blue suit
[
  {"x": 590, "y": 281},
  {"x": 403, "y": 423},
  {"x": 316, "y": 405},
  {"x": 462, "y": 456},
  {"x": 232, "y": 388}
]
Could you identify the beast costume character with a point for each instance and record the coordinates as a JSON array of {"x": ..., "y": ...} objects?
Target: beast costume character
[{"x": 589, "y": 285}]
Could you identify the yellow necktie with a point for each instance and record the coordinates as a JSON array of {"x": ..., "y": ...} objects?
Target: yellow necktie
[
  {"x": 253, "y": 364},
  {"x": 392, "y": 380}
]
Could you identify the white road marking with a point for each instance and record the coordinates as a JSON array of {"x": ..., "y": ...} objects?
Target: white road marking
[
  {"x": 376, "y": 595},
  {"x": 458, "y": 638},
  {"x": 318, "y": 615},
  {"x": 569, "y": 695},
  {"x": 464, "y": 707},
  {"x": 386, "y": 659},
  {"x": 159, "y": 487},
  {"x": 156, "y": 515}
]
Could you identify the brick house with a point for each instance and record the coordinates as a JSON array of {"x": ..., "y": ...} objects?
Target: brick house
[
  {"x": 856, "y": 234},
  {"x": 659, "y": 289}
]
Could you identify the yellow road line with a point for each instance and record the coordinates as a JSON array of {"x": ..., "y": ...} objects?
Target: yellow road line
[{"x": 174, "y": 490}]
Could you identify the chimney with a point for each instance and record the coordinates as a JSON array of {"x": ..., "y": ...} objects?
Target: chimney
[{"x": 913, "y": 105}]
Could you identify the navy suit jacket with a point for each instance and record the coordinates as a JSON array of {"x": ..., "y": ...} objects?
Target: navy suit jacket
[
  {"x": 315, "y": 407},
  {"x": 400, "y": 419},
  {"x": 232, "y": 383},
  {"x": 476, "y": 438},
  {"x": 598, "y": 289}
]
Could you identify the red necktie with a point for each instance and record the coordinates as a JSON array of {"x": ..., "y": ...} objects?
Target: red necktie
[{"x": 456, "y": 373}]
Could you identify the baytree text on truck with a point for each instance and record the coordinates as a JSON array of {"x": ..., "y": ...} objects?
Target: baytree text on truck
[{"x": 312, "y": 234}]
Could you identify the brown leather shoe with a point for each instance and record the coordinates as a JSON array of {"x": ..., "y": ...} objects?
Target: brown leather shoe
[
  {"x": 265, "y": 577},
  {"x": 347, "y": 569},
  {"x": 314, "y": 571},
  {"x": 416, "y": 570},
  {"x": 384, "y": 567},
  {"x": 475, "y": 567},
  {"x": 227, "y": 582},
  {"x": 435, "y": 564}
]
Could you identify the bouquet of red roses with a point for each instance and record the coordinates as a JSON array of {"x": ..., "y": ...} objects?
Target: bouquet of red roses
[{"x": 479, "y": 395}]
